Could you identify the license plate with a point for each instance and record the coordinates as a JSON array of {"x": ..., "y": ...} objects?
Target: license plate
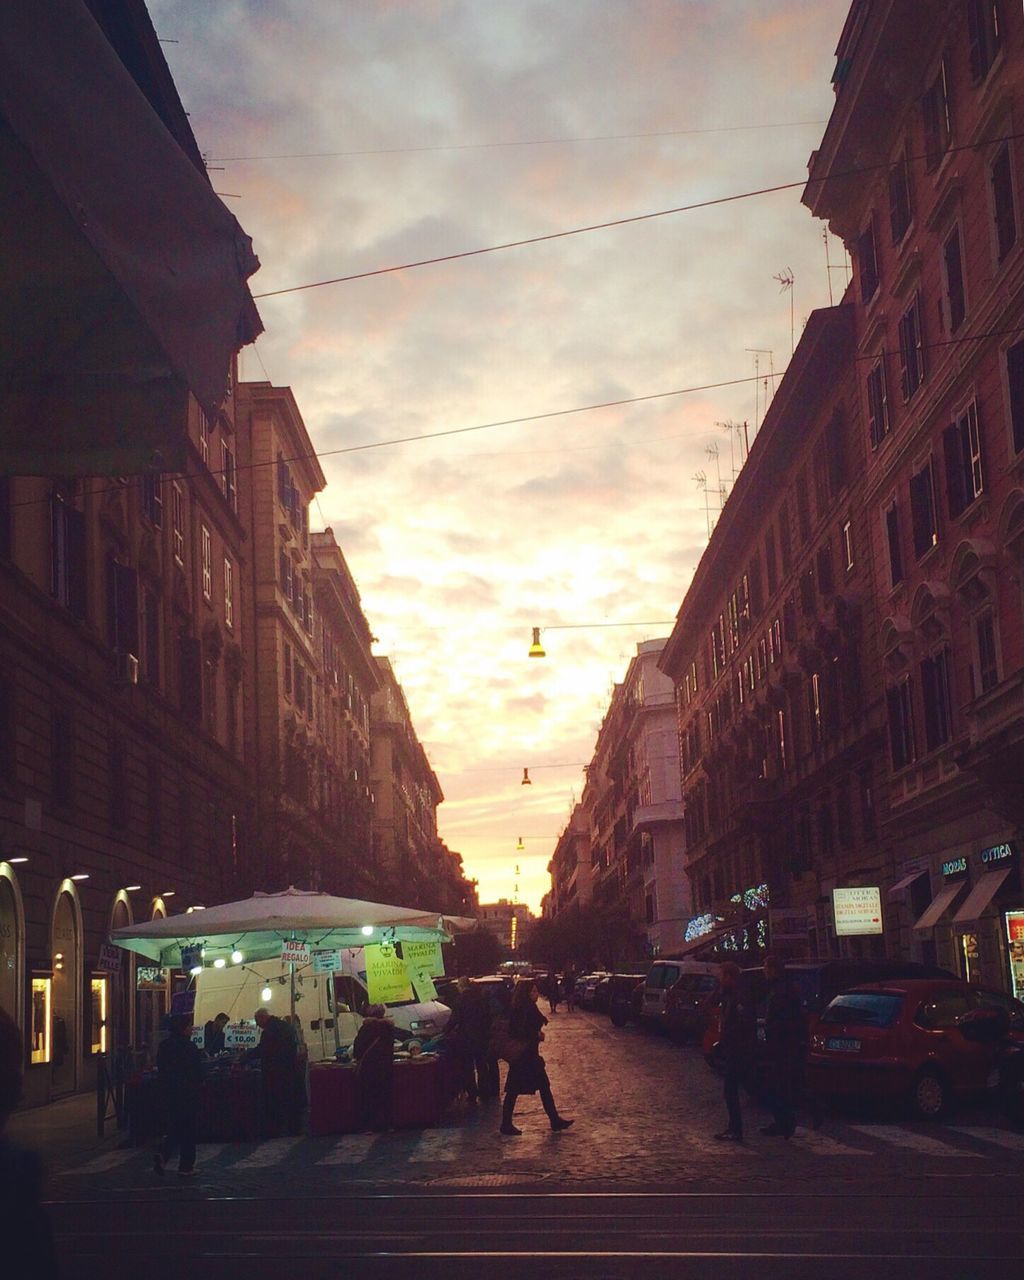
[{"x": 843, "y": 1045}]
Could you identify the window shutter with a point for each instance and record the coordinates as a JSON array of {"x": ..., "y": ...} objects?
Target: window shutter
[
  {"x": 75, "y": 566},
  {"x": 892, "y": 529},
  {"x": 921, "y": 514},
  {"x": 956, "y": 490},
  {"x": 190, "y": 676},
  {"x": 976, "y": 39}
]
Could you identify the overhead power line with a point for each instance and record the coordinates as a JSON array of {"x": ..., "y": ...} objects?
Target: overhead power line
[
  {"x": 515, "y": 142},
  {"x": 619, "y": 222}
]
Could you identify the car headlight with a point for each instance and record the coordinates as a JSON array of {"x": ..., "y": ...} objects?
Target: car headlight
[{"x": 414, "y": 1026}]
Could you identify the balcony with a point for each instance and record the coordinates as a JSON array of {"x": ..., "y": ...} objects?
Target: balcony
[
  {"x": 646, "y": 816},
  {"x": 999, "y": 709}
]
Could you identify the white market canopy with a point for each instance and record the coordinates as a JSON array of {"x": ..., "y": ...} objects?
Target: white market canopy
[{"x": 257, "y": 926}]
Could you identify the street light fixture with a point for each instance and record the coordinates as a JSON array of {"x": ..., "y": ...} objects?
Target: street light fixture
[
  {"x": 537, "y": 649},
  {"x": 526, "y": 782}
]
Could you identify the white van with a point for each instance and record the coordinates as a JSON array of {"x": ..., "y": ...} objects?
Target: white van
[
  {"x": 239, "y": 990},
  {"x": 663, "y": 975}
]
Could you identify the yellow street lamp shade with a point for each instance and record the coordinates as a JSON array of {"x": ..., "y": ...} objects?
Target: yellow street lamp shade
[
  {"x": 527, "y": 781},
  {"x": 537, "y": 649},
  {"x": 519, "y": 844}
]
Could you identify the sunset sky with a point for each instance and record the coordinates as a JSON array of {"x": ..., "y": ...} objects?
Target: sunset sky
[{"x": 461, "y": 544}]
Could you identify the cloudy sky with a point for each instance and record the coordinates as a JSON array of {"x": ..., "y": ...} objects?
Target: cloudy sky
[{"x": 364, "y": 134}]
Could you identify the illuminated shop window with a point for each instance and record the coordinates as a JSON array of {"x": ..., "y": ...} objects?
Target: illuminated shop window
[
  {"x": 39, "y": 1024},
  {"x": 98, "y": 988}
]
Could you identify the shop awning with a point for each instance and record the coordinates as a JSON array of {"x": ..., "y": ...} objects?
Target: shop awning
[
  {"x": 981, "y": 895},
  {"x": 705, "y": 940},
  {"x": 123, "y": 276},
  {"x": 939, "y": 905},
  {"x": 908, "y": 879}
]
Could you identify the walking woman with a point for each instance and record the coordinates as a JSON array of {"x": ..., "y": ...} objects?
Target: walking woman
[{"x": 526, "y": 1074}]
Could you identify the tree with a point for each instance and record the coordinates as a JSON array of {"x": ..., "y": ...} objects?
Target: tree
[{"x": 474, "y": 953}]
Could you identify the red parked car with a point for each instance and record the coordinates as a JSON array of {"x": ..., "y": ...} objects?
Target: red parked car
[{"x": 900, "y": 1041}]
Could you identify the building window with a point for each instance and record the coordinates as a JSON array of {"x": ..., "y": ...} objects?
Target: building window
[
  {"x": 985, "y": 35},
  {"x": 965, "y": 477},
  {"x": 986, "y": 654},
  {"x": 1015, "y": 387},
  {"x": 178, "y": 522},
  {"x": 229, "y": 478},
  {"x": 867, "y": 262},
  {"x": 899, "y": 701},
  {"x": 204, "y": 438},
  {"x": 899, "y": 199},
  {"x": 953, "y": 274},
  {"x": 803, "y": 507},
  {"x": 153, "y": 500},
  {"x": 847, "y": 545},
  {"x": 892, "y": 533},
  {"x": 150, "y": 637},
  {"x": 878, "y": 404},
  {"x": 785, "y": 541},
  {"x": 190, "y": 676},
  {"x": 98, "y": 1002},
  {"x": 1004, "y": 207},
  {"x": 286, "y": 571},
  {"x": 923, "y": 516},
  {"x": 826, "y": 579},
  {"x": 207, "y": 560},
  {"x": 122, "y": 607},
  {"x": 936, "y": 699},
  {"x": 229, "y": 593},
  {"x": 287, "y": 669},
  {"x": 775, "y": 642},
  {"x": 814, "y": 708},
  {"x": 40, "y": 1023},
  {"x": 770, "y": 567},
  {"x": 938, "y": 123},
  {"x": 911, "y": 349},
  {"x": 67, "y": 555}
]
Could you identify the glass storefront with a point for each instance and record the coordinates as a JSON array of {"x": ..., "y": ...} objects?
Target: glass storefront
[
  {"x": 1015, "y": 949},
  {"x": 39, "y": 1020}
]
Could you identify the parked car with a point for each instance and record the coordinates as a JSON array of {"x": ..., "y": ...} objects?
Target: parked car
[
  {"x": 586, "y": 993},
  {"x": 689, "y": 1005},
  {"x": 663, "y": 976},
  {"x": 900, "y": 1041},
  {"x": 625, "y": 992},
  {"x": 818, "y": 982}
]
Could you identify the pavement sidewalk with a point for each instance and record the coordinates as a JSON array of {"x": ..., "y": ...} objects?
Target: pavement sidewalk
[{"x": 64, "y": 1132}]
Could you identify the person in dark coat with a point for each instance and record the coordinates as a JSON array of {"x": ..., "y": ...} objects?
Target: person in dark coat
[
  {"x": 26, "y": 1237},
  {"x": 179, "y": 1075},
  {"x": 213, "y": 1035},
  {"x": 554, "y": 992},
  {"x": 737, "y": 1045},
  {"x": 469, "y": 1028},
  {"x": 527, "y": 1073},
  {"x": 276, "y": 1053},
  {"x": 374, "y": 1054},
  {"x": 784, "y": 1044}
]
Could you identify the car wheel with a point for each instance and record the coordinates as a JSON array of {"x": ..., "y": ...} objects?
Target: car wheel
[
  {"x": 929, "y": 1095},
  {"x": 617, "y": 1020}
]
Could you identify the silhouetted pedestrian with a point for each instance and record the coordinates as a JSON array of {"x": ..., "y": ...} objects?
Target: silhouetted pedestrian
[
  {"x": 469, "y": 1029},
  {"x": 554, "y": 992},
  {"x": 179, "y": 1076},
  {"x": 526, "y": 1071},
  {"x": 737, "y": 1044},
  {"x": 374, "y": 1054},
  {"x": 784, "y": 1036}
]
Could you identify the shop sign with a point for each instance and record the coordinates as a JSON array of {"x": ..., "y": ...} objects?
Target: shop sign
[
  {"x": 998, "y": 854},
  {"x": 110, "y": 957},
  {"x": 241, "y": 1035},
  {"x": 295, "y": 951},
  {"x": 954, "y": 867},
  {"x": 191, "y": 957},
  {"x": 326, "y": 961},
  {"x": 149, "y": 977},
  {"x": 858, "y": 911},
  {"x": 423, "y": 984},
  {"x": 426, "y": 956},
  {"x": 788, "y": 924},
  {"x": 387, "y": 978}
]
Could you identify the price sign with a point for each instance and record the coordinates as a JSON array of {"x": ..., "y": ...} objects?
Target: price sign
[
  {"x": 199, "y": 1037},
  {"x": 326, "y": 961},
  {"x": 241, "y": 1035},
  {"x": 426, "y": 956},
  {"x": 295, "y": 951}
]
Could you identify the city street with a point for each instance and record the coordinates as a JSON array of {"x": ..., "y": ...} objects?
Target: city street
[{"x": 638, "y": 1185}]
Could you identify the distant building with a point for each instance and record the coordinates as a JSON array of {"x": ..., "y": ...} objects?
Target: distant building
[{"x": 508, "y": 921}]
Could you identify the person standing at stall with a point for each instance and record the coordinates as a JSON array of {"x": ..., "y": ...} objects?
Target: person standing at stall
[
  {"x": 213, "y": 1035},
  {"x": 178, "y": 1075},
  {"x": 737, "y": 1044},
  {"x": 784, "y": 1040},
  {"x": 276, "y": 1053},
  {"x": 374, "y": 1053},
  {"x": 470, "y": 1030},
  {"x": 526, "y": 1072}
]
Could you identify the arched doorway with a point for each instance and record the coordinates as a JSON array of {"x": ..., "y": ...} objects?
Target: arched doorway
[
  {"x": 121, "y": 1011},
  {"x": 12, "y": 942},
  {"x": 66, "y": 997}
]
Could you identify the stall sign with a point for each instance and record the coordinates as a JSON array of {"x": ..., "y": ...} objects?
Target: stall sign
[
  {"x": 149, "y": 977},
  {"x": 788, "y": 924},
  {"x": 183, "y": 1003},
  {"x": 426, "y": 956},
  {"x": 998, "y": 854},
  {"x": 858, "y": 911},
  {"x": 955, "y": 867},
  {"x": 110, "y": 958},
  {"x": 387, "y": 978},
  {"x": 241, "y": 1035},
  {"x": 191, "y": 957},
  {"x": 423, "y": 984},
  {"x": 199, "y": 1037},
  {"x": 326, "y": 961},
  {"x": 295, "y": 951}
]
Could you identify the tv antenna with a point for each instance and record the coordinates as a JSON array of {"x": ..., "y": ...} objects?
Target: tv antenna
[{"x": 786, "y": 280}]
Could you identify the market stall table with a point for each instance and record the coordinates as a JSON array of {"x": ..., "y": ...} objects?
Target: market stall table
[
  {"x": 417, "y": 1101},
  {"x": 230, "y": 1106}
]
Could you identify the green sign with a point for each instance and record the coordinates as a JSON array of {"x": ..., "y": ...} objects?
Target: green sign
[
  {"x": 423, "y": 984},
  {"x": 387, "y": 979},
  {"x": 426, "y": 956}
]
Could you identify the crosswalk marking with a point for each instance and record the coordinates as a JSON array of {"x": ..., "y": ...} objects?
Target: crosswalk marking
[
  {"x": 270, "y": 1152},
  {"x": 911, "y": 1141},
  {"x": 109, "y": 1160},
  {"x": 352, "y": 1149},
  {"x": 820, "y": 1144},
  {"x": 435, "y": 1145},
  {"x": 1005, "y": 1138},
  {"x": 207, "y": 1152}
]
